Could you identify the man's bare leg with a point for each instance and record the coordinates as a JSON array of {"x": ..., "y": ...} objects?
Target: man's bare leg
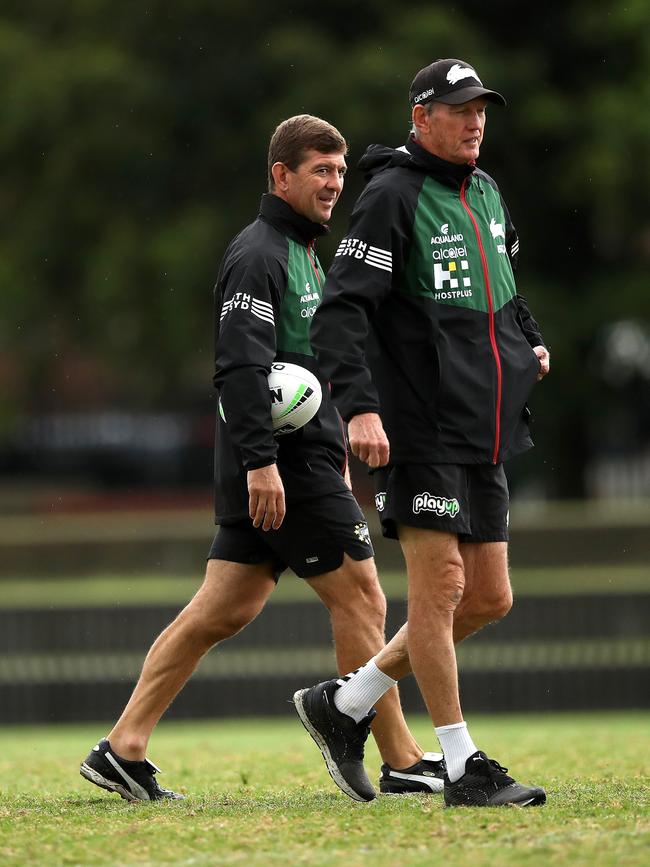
[
  {"x": 357, "y": 607},
  {"x": 477, "y": 574},
  {"x": 436, "y": 583},
  {"x": 430, "y": 555},
  {"x": 487, "y": 596},
  {"x": 232, "y": 594},
  {"x": 394, "y": 659}
]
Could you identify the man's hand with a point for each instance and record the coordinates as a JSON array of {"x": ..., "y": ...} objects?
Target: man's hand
[
  {"x": 368, "y": 439},
  {"x": 544, "y": 357},
  {"x": 266, "y": 497}
]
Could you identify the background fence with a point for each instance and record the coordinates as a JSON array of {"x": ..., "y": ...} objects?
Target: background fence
[
  {"x": 550, "y": 653},
  {"x": 578, "y": 636}
]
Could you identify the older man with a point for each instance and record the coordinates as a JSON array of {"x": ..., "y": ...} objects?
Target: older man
[{"x": 432, "y": 354}]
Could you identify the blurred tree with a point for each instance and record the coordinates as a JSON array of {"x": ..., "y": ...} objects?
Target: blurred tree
[{"x": 133, "y": 146}]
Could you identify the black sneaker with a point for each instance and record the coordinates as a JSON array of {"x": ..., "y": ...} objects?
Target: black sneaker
[
  {"x": 338, "y": 737},
  {"x": 486, "y": 784},
  {"x": 425, "y": 776},
  {"x": 134, "y": 781}
]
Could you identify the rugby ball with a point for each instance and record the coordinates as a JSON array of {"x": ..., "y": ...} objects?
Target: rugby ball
[{"x": 295, "y": 396}]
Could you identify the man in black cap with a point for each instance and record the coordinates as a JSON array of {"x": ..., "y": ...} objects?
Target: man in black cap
[{"x": 431, "y": 355}]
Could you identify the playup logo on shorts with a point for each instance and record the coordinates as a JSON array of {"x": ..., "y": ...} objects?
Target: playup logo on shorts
[
  {"x": 426, "y": 502},
  {"x": 380, "y": 501},
  {"x": 362, "y": 533}
]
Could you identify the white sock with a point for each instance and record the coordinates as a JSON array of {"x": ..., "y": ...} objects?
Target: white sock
[
  {"x": 457, "y": 747},
  {"x": 361, "y": 690}
]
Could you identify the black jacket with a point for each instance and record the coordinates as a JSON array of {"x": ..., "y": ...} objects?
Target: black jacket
[
  {"x": 420, "y": 320},
  {"x": 267, "y": 291}
]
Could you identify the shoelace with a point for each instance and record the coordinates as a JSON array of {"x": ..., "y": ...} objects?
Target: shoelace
[
  {"x": 153, "y": 770},
  {"x": 358, "y": 740},
  {"x": 497, "y": 772},
  {"x": 158, "y": 789}
]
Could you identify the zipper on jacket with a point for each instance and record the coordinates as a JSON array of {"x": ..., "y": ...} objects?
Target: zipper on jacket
[
  {"x": 312, "y": 259},
  {"x": 493, "y": 338}
]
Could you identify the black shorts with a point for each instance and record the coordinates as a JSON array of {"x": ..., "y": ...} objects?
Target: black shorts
[
  {"x": 470, "y": 500},
  {"x": 311, "y": 541}
]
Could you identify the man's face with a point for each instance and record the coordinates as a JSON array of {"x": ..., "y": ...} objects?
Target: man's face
[
  {"x": 454, "y": 132},
  {"x": 313, "y": 189}
]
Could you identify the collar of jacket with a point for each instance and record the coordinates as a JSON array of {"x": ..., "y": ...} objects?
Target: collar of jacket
[
  {"x": 450, "y": 174},
  {"x": 282, "y": 217}
]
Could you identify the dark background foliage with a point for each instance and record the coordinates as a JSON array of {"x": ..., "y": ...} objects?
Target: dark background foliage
[{"x": 133, "y": 146}]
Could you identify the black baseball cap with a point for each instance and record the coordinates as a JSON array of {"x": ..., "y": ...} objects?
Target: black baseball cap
[{"x": 451, "y": 81}]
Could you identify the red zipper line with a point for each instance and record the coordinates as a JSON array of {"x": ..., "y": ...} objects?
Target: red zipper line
[
  {"x": 310, "y": 256},
  {"x": 493, "y": 338}
]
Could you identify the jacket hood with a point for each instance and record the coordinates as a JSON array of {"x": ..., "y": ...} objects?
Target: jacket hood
[{"x": 378, "y": 158}]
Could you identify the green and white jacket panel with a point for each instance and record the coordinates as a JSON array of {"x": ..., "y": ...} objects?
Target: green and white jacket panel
[
  {"x": 269, "y": 286},
  {"x": 420, "y": 319}
]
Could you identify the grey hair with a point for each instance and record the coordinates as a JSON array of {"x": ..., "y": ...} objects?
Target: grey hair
[{"x": 429, "y": 107}]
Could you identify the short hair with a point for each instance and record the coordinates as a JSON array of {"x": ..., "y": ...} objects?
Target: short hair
[
  {"x": 298, "y": 134},
  {"x": 429, "y": 107}
]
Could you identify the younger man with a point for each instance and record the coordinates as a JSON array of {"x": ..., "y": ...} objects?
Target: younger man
[{"x": 281, "y": 502}]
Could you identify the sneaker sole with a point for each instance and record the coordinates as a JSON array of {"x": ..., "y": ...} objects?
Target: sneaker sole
[
  {"x": 331, "y": 765},
  {"x": 432, "y": 790},
  {"x": 537, "y": 801},
  {"x": 95, "y": 777}
]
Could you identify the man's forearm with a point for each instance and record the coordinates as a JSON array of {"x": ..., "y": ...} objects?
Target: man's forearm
[{"x": 249, "y": 423}]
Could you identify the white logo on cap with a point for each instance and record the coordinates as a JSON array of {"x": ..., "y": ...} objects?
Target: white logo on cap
[
  {"x": 458, "y": 72},
  {"x": 424, "y": 95}
]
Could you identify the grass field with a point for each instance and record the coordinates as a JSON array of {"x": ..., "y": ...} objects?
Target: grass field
[{"x": 259, "y": 794}]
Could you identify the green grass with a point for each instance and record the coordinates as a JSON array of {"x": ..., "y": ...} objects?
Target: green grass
[
  {"x": 259, "y": 794},
  {"x": 143, "y": 589}
]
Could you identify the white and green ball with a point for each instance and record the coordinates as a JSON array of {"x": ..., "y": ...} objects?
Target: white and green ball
[{"x": 296, "y": 396}]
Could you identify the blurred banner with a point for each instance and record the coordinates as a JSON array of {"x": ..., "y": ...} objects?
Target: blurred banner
[
  {"x": 578, "y": 636},
  {"x": 551, "y": 653}
]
